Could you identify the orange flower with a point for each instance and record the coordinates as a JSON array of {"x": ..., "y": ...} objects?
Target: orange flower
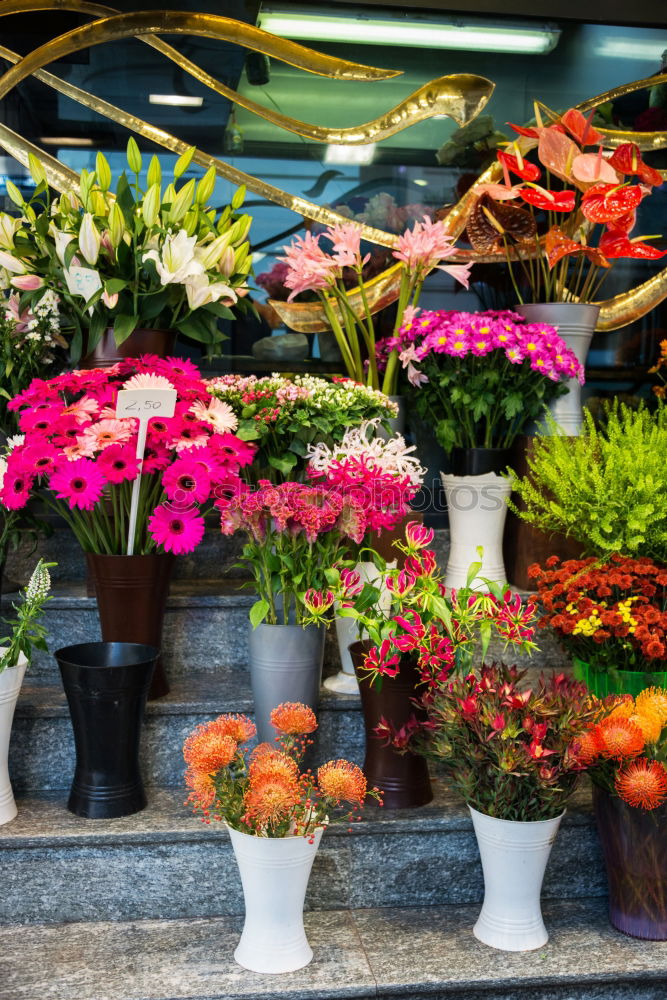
[
  {"x": 624, "y": 707},
  {"x": 657, "y": 699},
  {"x": 342, "y": 781},
  {"x": 270, "y": 798},
  {"x": 619, "y": 738},
  {"x": 293, "y": 719},
  {"x": 587, "y": 748},
  {"x": 209, "y": 748},
  {"x": 265, "y": 759},
  {"x": 649, "y": 722},
  {"x": 239, "y": 727},
  {"x": 203, "y": 788},
  {"x": 643, "y": 783}
]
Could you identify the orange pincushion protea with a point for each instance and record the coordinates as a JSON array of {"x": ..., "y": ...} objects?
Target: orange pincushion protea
[
  {"x": 293, "y": 719},
  {"x": 642, "y": 783},
  {"x": 265, "y": 759},
  {"x": 587, "y": 748},
  {"x": 202, "y": 788},
  {"x": 209, "y": 748},
  {"x": 656, "y": 698},
  {"x": 619, "y": 738},
  {"x": 342, "y": 781},
  {"x": 623, "y": 708},
  {"x": 270, "y": 798},
  {"x": 239, "y": 727},
  {"x": 649, "y": 722}
]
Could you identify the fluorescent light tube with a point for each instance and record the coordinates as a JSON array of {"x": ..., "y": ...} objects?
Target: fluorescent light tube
[
  {"x": 359, "y": 155},
  {"x": 65, "y": 140},
  {"x": 628, "y": 48},
  {"x": 176, "y": 100}
]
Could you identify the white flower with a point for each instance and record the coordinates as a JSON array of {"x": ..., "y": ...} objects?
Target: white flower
[
  {"x": 178, "y": 261},
  {"x": 61, "y": 241},
  {"x": 200, "y": 291},
  {"x": 11, "y": 263},
  {"x": 15, "y": 442},
  {"x": 8, "y": 226},
  {"x": 219, "y": 414},
  {"x": 3, "y": 469},
  {"x": 148, "y": 381},
  {"x": 391, "y": 456},
  {"x": 38, "y": 585},
  {"x": 89, "y": 239}
]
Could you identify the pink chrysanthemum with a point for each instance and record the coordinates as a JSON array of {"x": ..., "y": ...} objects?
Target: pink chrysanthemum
[
  {"x": 176, "y": 531},
  {"x": 80, "y": 483}
]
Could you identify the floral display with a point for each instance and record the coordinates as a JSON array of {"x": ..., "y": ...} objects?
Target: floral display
[
  {"x": 295, "y": 532},
  {"x": 382, "y": 474},
  {"x": 27, "y": 633},
  {"x": 84, "y": 459},
  {"x": 313, "y": 269},
  {"x": 562, "y": 223},
  {"x": 605, "y": 488},
  {"x": 441, "y": 632},
  {"x": 263, "y": 792},
  {"x": 159, "y": 258},
  {"x": 510, "y": 752},
  {"x": 480, "y": 376},
  {"x": 283, "y": 416},
  {"x": 611, "y": 614}
]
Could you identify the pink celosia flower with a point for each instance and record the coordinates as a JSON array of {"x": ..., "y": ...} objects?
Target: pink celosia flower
[
  {"x": 176, "y": 531},
  {"x": 80, "y": 483}
]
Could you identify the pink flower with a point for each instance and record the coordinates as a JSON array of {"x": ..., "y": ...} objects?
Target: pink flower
[
  {"x": 187, "y": 479},
  {"x": 80, "y": 483},
  {"x": 216, "y": 413},
  {"x": 16, "y": 486},
  {"x": 107, "y": 432},
  {"x": 317, "y": 602},
  {"x": 176, "y": 531},
  {"x": 231, "y": 451},
  {"x": 418, "y": 536},
  {"x": 118, "y": 463},
  {"x": 27, "y": 282},
  {"x": 346, "y": 241},
  {"x": 421, "y": 247},
  {"x": 401, "y": 584},
  {"x": 380, "y": 662},
  {"x": 351, "y": 583},
  {"x": 83, "y": 409},
  {"x": 309, "y": 267}
]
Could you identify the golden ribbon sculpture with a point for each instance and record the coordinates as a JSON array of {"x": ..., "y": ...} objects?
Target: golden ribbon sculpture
[{"x": 460, "y": 96}]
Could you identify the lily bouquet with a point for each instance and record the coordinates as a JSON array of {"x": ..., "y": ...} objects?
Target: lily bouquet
[
  {"x": 480, "y": 377},
  {"x": 159, "y": 258},
  {"x": 83, "y": 458},
  {"x": 264, "y": 792},
  {"x": 312, "y": 269},
  {"x": 284, "y": 416},
  {"x": 559, "y": 232}
]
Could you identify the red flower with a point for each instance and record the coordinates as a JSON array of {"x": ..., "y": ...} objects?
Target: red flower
[
  {"x": 618, "y": 244},
  {"x": 527, "y": 171},
  {"x": 605, "y": 202},
  {"x": 551, "y": 201},
  {"x": 627, "y": 159},
  {"x": 580, "y": 127},
  {"x": 558, "y": 245}
]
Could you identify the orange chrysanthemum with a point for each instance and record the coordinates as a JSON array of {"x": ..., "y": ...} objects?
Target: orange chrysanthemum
[
  {"x": 265, "y": 759},
  {"x": 649, "y": 722},
  {"x": 293, "y": 719},
  {"x": 208, "y": 749},
  {"x": 643, "y": 783},
  {"x": 239, "y": 727},
  {"x": 270, "y": 798},
  {"x": 202, "y": 788},
  {"x": 657, "y": 699},
  {"x": 619, "y": 738},
  {"x": 342, "y": 781}
]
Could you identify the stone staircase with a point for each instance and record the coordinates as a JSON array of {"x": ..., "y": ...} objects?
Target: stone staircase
[{"x": 149, "y": 907}]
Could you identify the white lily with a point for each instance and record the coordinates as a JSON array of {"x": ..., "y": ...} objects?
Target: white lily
[
  {"x": 200, "y": 292},
  {"x": 210, "y": 254},
  {"x": 61, "y": 241},
  {"x": 8, "y": 226},
  {"x": 178, "y": 262},
  {"x": 89, "y": 239},
  {"x": 11, "y": 263}
]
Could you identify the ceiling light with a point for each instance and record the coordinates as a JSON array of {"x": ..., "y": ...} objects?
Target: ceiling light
[
  {"x": 176, "y": 100},
  {"x": 420, "y": 182},
  {"x": 66, "y": 140},
  {"x": 627, "y": 48},
  {"x": 359, "y": 155},
  {"x": 363, "y": 29}
]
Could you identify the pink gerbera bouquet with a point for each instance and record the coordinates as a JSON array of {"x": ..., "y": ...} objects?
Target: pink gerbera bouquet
[{"x": 84, "y": 459}]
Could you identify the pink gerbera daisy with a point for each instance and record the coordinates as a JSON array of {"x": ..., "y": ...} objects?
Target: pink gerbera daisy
[
  {"x": 156, "y": 458},
  {"x": 80, "y": 483},
  {"x": 176, "y": 531},
  {"x": 230, "y": 450},
  {"x": 118, "y": 462},
  {"x": 16, "y": 487},
  {"x": 187, "y": 479},
  {"x": 39, "y": 457},
  {"x": 83, "y": 409},
  {"x": 107, "y": 432},
  {"x": 217, "y": 413}
]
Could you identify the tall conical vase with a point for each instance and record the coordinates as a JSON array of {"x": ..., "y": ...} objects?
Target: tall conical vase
[
  {"x": 11, "y": 679},
  {"x": 132, "y": 594},
  {"x": 575, "y": 322},
  {"x": 514, "y": 858},
  {"x": 274, "y": 874}
]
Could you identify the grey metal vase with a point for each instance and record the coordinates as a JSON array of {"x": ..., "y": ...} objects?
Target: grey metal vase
[{"x": 285, "y": 665}]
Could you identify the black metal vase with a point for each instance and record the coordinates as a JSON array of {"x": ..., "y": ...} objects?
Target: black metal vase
[{"x": 106, "y": 684}]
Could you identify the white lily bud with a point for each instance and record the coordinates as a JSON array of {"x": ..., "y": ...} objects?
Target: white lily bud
[{"x": 89, "y": 239}]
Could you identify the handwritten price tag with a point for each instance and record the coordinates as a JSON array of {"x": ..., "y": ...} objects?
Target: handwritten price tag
[
  {"x": 83, "y": 281},
  {"x": 146, "y": 403}
]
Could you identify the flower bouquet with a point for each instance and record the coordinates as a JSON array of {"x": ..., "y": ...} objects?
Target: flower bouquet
[
  {"x": 131, "y": 259},
  {"x": 626, "y": 753},
  {"x": 610, "y": 616},
  {"x": 313, "y": 269},
  {"x": 275, "y": 815},
  {"x": 283, "y": 416}
]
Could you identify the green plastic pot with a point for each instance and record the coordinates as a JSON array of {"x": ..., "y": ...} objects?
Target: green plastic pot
[{"x": 612, "y": 681}]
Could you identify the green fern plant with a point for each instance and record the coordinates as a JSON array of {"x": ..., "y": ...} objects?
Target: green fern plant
[{"x": 606, "y": 488}]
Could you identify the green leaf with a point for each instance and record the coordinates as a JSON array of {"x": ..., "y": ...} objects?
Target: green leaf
[
  {"x": 123, "y": 326},
  {"x": 258, "y": 612},
  {"x": 96, "y": 327},
  {"x": 152, "y": 305},
  {"x": 183, "y": 162},
  {"x": 284, "y": 465},
  {"x": 201, "y": 328},
  {"x": 133, "y": 156},
  {"x": 474, "y": 569},
  {"x": 113, "y": 285}
]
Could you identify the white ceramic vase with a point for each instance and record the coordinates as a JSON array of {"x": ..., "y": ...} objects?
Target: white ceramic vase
[
  {"x": 514, "y": 857},
  {"x": 11, "y": 679},
  {"x": 274, "y": 874},
  {"x": 347, "y": 632},
  {"x": 576, "y": 322},
  {"x": 477, "y": 508}
]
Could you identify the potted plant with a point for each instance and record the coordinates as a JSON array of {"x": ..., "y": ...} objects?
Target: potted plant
[
  {"x": 606, "y": 488},
  {"x": 626, "y": 753},
  {"x": 513, "y": 755},
  {"x": 416, "y": 637},
  {"x": 84, "y": 461},
  {"x": 295, "y": 531},
  {"x": 611, "y": 617},
  {"x": 275, "y": 816},
  {"x": 283, "y": 416},
  {"x": 131, "y": 267},
  {"x": 479, "y": 378},
  {"x": 26, "y": 634},
  {"x": 560, "y": 236},
  {"x": 385, "y": 476}
]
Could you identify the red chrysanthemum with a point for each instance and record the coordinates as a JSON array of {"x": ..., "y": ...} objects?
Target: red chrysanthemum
[
  {"x": 293, "y": 719},
  {"x": 643, "y": 783},
  {"x": 342, "y": 781}
]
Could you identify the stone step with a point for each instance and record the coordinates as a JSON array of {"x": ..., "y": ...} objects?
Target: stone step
[
  {"x": 163, "y": 861},
  {"x": 372, "y": 954}
]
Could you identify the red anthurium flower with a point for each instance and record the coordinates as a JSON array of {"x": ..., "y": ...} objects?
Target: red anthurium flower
[
  {"x": 557, "y": 152},
  {"x": 624, "y": 224},
  {"x": 558, "y": 245},
  {"x": 605, "y": 202},
  {"x": 618, "y": 244},
  {"x": 592, "y": 168},
  {"x": 628, "y": 159},
  {"x": 580, "y": 127},
  {"x": 551, "y": 201},
  {"x": 527, "y": 171},
  {"x": 531, "y": 133}
]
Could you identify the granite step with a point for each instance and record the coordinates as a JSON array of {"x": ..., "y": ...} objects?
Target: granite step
[
  {"x": 372, "y": 954},
  {"x": 163, "y": 861}
]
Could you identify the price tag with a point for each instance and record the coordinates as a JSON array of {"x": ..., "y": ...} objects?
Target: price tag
[
  {"x": 143, "y": 404},
  {"x": 83, "y": 281}
]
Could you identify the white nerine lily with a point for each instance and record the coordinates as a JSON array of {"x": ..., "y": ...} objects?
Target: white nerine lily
[
  {"x": 178, "y": 262},
  {"x": 89, "y": 239},
  {"x": 200, "y": 292}
]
